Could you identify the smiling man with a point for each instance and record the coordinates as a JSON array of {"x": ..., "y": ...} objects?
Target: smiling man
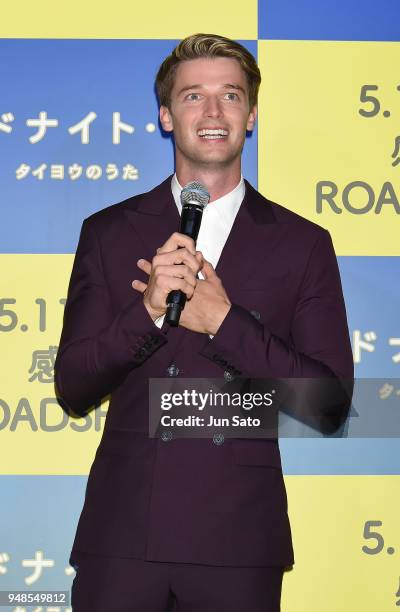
[
  {"x": 209, "y": 110},
  {"x": 194, "y": 525}
]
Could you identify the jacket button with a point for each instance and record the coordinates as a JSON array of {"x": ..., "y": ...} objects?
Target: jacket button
[
  {"x": 166, "y": 435},
  {"x": 255, "y": 314},
  {"x": 228, "y": 376},
  {"x": 218, "y": 439},
  {"x": 173, "y": 370}
]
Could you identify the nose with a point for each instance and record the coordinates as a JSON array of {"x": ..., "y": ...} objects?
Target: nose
[{"x": 213, "y": 107}]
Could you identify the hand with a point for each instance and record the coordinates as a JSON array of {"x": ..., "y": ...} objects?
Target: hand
[
  {"x": 209, "y": 304},
  {"x": 164, "y": 275},
  {"x": 206, "y": 307}
]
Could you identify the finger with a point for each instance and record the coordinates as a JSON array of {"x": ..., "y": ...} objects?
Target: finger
[
  {"x": 171, "y": 283},
  {"x": 144, "y": 265},
  {"x": 179, "y": 256},
  {"x": 139, "y": 286},
  {"x": 177, "y": 240},
  {"x": 173, "y": 271}
]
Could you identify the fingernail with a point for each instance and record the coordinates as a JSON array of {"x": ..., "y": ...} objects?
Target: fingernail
[{"x": 140, "y": 261}]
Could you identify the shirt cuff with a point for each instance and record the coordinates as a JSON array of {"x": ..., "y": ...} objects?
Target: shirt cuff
[{"x": 159, "y": 321}]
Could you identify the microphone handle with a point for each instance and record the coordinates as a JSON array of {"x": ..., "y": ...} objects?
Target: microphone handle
[
  {"x": 175, "y": 304},
  {"x": 190, "y": 225}
]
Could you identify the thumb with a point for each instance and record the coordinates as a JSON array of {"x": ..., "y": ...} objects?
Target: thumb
[{"x": 208, "y": 270}]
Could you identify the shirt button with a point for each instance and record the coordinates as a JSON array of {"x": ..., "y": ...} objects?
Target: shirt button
[
  {"x": 166, "y": 435},
  {"x": 218, "y": 439},
  {"x": 173, "y": 370},
  {"x": 228, "y": 376},
  {"x": 255, "y": 314}
]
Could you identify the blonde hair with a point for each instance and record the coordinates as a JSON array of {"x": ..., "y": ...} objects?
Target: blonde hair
[{"x": 206, "y": 45}]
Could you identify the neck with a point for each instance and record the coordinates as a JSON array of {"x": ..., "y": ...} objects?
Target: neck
[{"x": 218, "y": 181}]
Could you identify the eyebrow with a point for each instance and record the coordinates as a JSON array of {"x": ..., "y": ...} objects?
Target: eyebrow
[{"x": 200, "y": 86}]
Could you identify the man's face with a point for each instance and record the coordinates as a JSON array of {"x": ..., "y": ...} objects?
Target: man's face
[{"x": 209, "y": 94}]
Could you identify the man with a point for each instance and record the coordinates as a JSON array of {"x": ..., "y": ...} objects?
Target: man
[{"x": 194, "y": 523}]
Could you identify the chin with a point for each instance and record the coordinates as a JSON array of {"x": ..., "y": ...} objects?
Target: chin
[{"x": 218, "y": 156}]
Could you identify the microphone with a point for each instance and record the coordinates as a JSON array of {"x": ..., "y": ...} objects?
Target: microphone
[{"x": 194, "y": 197}]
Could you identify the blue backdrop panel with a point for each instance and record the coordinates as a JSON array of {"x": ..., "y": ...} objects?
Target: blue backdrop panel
[
  {"x": 68, "y": 79},
  {"x": 328, "y": 20}
]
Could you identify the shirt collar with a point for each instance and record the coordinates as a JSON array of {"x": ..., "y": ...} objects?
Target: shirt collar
[{"x": 227, "y": 205}]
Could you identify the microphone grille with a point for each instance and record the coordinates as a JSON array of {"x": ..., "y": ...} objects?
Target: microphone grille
[{"x": 195, "y": 192}]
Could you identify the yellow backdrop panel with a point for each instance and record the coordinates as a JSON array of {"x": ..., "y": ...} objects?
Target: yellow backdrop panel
[
  {"x": 332, "y": 573},
  {"x": 310, "y": 130},
  {"x": 36, "y": 436},
  {"x": 127, "y": 19}
]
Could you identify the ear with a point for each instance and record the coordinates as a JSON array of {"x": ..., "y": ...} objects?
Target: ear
[
  {"x": 251, "y": 121},
  {"x": 166, "y": 119}
]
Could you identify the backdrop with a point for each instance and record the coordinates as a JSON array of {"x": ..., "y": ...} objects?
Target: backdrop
[{"x": 79, "y": 131}]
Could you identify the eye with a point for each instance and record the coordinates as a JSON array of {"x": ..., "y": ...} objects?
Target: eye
[
  {"x": 231, "y": 93},
  {"x": 192, "y": 96}
]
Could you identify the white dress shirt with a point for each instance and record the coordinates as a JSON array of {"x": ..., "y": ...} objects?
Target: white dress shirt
[{"x": 216, "y": 223}]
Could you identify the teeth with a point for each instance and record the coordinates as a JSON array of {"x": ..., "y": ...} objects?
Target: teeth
[{"x": 218, "y": 132}]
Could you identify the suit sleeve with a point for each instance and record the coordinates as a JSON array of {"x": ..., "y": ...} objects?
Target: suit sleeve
[
  {"x": 97, "y": 348},
  {"x": 319, "y": 345}
]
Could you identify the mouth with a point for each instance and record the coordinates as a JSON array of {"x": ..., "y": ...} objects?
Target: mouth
[{"x": 213, "y": 134}]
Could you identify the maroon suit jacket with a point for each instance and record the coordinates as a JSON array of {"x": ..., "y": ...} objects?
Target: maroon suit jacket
[{"x": 190, "y": 500}]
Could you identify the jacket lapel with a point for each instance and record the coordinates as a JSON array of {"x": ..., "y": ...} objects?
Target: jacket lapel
[
  {"x": 247, "y": 241},
  {"x": 154, "y": 217}
]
